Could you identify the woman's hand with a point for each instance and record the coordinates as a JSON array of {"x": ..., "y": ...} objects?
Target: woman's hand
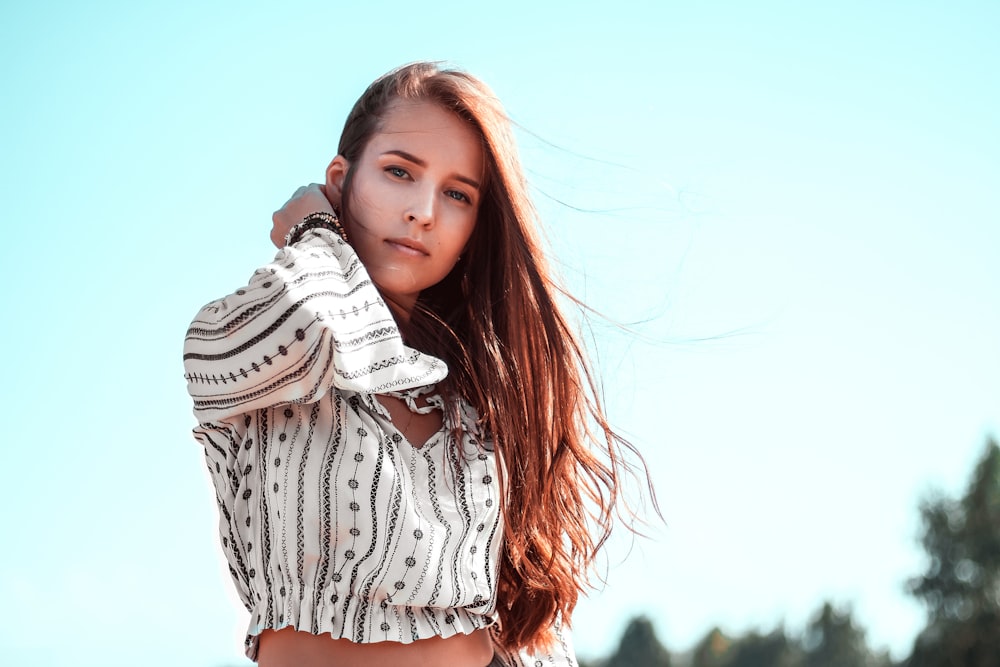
[{"x": 307, "y": 199}]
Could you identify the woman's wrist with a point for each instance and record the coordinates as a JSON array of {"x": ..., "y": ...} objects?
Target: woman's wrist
[{"x": 316, "y": 220}]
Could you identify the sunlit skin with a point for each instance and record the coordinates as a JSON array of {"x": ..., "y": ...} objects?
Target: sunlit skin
[
  {"x": 414, "y": 201},
  {"x": 291, "y": 648}
]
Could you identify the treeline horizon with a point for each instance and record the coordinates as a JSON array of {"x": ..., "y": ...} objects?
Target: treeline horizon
[{"x": 960, "y": 590}]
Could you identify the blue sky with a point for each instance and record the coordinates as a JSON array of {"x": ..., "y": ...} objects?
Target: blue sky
[{"x": 799, "y": 203}]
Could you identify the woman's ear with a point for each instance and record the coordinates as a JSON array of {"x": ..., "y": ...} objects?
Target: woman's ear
[{"x": 335, "y": 175}]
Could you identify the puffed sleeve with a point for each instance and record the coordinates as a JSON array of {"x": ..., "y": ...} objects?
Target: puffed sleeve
[
  {"x": 561, "y": 653},
  {"x": 310, "y": 321}
]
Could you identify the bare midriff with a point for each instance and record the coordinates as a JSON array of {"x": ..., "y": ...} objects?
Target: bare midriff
[{"x": 291, "y": 648}]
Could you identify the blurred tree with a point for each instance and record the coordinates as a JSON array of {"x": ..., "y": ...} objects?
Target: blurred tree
[
  {"x": 772, "y": 650},
  {"x": 961, "y": 587},
  {"x": 712, "y": 651},
  {"x": 833, "y": 640},
  {"x": 639, "y": 647}
]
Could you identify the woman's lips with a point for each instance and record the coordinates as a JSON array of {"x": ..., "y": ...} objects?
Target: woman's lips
[{"x": 408, "y": 246}]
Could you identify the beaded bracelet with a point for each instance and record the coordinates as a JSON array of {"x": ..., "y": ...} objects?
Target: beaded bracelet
[{"x": 327, "y": 221}]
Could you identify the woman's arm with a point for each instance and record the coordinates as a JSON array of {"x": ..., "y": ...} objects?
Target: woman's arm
[{"x": 309, "y": 321}]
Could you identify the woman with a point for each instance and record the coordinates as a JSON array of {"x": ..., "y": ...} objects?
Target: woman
[{"x": 398, "y": 421}]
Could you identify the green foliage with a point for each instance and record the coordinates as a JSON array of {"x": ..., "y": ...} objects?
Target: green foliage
[
  {"x": 961, "y": 587},
  {"x": 771, "y": 650},
  {"x": 833, "y": 640},
  {"x": 712, "y": 651},
  {"x": 639, "y": 647}
]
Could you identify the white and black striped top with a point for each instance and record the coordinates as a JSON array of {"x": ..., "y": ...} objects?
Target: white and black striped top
[{"x": 331, "y": 521}]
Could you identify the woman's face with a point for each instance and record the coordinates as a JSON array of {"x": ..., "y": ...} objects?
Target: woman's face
[{"x": 414, "y": 198}]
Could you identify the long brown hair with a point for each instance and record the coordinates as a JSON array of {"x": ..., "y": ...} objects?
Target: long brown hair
[{"x": 511, "y": 353}]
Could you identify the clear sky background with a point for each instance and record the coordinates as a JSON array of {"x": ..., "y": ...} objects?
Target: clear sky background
[{"x": 801, "y": 201}]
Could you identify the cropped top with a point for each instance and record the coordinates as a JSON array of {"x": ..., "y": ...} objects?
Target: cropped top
[{"x": 332, "y": 522}]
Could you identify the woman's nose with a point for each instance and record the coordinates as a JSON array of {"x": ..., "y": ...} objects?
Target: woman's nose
[{"x": 421, "y": 207}]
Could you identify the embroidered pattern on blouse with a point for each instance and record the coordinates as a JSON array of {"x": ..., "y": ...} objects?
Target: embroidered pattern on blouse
[{"x": 330, "y": 520}]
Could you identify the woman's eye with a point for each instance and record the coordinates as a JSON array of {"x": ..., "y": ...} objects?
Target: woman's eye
[
  {"x": 459, "y": 196},
  {"x": 398, "y": 172}
]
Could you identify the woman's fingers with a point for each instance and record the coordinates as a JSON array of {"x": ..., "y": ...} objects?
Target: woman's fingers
[{"x": 305, "y": 200}]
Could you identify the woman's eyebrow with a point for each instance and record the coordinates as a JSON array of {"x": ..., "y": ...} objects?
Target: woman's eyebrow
[{"x": 410, "y": 157}]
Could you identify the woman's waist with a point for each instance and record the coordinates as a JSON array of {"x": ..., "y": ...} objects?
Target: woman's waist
[
  {"x": 358, "y": 620},
  {"x": 291, "y": 648}
]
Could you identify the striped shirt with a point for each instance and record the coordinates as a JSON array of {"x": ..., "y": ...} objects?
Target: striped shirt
[{"x": 332, "y": 522}]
